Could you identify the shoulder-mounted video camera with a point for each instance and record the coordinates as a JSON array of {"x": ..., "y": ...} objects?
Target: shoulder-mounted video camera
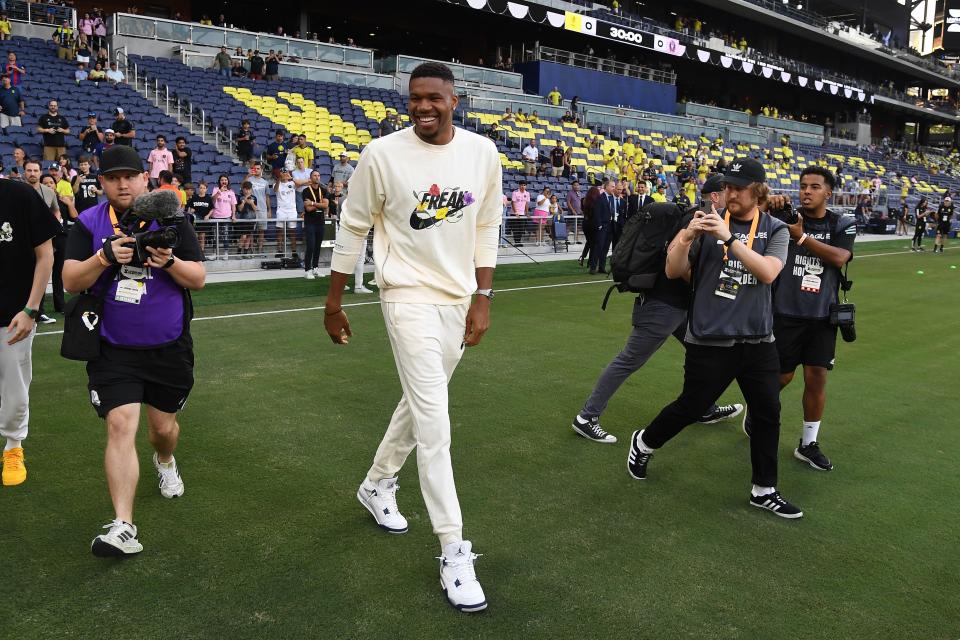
[{"x": 160, "y": 206}]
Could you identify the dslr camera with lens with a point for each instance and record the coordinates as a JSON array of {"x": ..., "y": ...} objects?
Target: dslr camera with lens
[{"x": 785, "y": 214}]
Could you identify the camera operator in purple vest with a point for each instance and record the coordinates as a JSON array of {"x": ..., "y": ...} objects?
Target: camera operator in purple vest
[{"x": 146, "y": 354}]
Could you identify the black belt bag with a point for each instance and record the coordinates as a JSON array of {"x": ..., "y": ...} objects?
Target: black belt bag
[
  {"x": 843, "y": 315},
  {"x": 82, "y": 319}
]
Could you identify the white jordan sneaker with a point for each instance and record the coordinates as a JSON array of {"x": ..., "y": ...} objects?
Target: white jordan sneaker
[
  {"x": 380, "y": 499},
  {"x": 458, "y": 578}
]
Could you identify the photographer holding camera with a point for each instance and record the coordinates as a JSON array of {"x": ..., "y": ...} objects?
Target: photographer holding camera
[
  {"x": 141, "y": 259},
  {"x": 732, "y": 261},
  {"x": 804, "y": 297}
]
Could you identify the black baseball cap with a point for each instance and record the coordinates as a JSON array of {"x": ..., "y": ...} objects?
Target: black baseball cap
[
  {"x": 712, "y": 184},
  {"x": 743, "y": 171},
  {"x": 120, "y": 158}
]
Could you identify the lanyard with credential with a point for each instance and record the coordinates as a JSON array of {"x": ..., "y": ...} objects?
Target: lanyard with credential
[
  {"x": 750, "y": 237},
  {"x": 116, "y": 224}
]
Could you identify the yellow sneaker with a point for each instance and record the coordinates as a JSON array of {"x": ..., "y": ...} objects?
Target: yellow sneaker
[{"x": 14, "y": 471}]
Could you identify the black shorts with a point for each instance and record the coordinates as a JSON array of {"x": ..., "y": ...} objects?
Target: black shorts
[
  {"x": 804, "y": 341},
  {"x": 943, "y": 228},
  {"x": 161, "y": 378}
]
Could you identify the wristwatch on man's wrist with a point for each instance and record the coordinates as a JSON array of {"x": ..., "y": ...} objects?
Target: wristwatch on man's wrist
[
  {"x": 729, "y": 241},
  {"x": 488, "y": 293}
]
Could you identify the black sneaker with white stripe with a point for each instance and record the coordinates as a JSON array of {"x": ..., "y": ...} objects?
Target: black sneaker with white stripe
[
  {"x": 636, "y": 459},
  {"x": 591, "y": 430},
  {"x": 721, "y": 412},
  {"x": 811, "y": 454},
  {"x": 775, "y": 503}
]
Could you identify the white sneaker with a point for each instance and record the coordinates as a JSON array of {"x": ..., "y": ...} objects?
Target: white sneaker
[
  {"x": 316, "y": 271},
  {"x": 310, "y": 275},
  {"x": 374, "y": 283},
  {"x": 362, "y": 289},
  {"x": 120, "y": 540},
  {"x": 458, "y": 578},
  {"x": 380, "y": 499},
  {"x": 171, "y": 486}
]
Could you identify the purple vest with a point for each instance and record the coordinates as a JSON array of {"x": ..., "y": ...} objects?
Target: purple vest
[{"x": 158, "y": 319}]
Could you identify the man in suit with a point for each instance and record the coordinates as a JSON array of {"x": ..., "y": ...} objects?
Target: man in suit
[
  {"x": 622, "y": 192},
  {"x": 638, "y": 200},
  {"x": 604, "y": 214}
]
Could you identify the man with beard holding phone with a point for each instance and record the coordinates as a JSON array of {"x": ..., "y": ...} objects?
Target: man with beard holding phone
[{"x": 729, "y": 335}]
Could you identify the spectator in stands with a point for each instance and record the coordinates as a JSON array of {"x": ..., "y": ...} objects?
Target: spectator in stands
[
  {"x": 554, "y": 97},
  {"x": 222, "y": 62},
  {"x": 286, "y": 192},
  {"x": 103, "y": 57},
  {"x": 567, "y": 117},
  {"x": 237, "y": 70},
  {"x": 573, "y": 200},
  {"x": 541, "y": 212},
  {"x": 99, "y": 30},
  {"x": 12, "y": 105},
  {"x": 168, "y": 182},
  {"x": 114, "y": 75},
  {"x": 160, "y": 158},
  {"x": 261, "y": 192},
  {"x": 19, "y": 158},
  {"x": 14, "y": 69},
  {"x": 611, "y": 165},
  {"x": 574, "y": 107},
  {"x": 123, "y": 128},
  {"x": 182, "y": 160},
  {"x": 305, "y": 152},
  {"x": 246, "y": 214},
  {"x": 53, "y": 127},
  {"x": 507, "y": 115},
  {"x": 272, "y": 66},
  {"x": 85, "y": 26},
  {"x": 63, "y": 38},
  {"x": 277, "y": 153},
  {"x": 83, "y": 52},
  {"x": 60, "y": 185},
  {"x": 533, "y": 118},
  {"x": 344, "y": 171},
  {"x": 519, "y": 200},
  {"x": 244, "y": 139},
  {"x": 301, "y": 178},
  {"x": 32, "y": 175},
  {"x": 224, "y": 212},
  {"x": 66, "y": 167},
  {"x": 109, "y": 140},
  {"x": 4, "y": 27},
  {"x": 660, "y": 194},
  {"x": 205, "y": 20},
  {"x": 97, "y": 75},
  {"x": 257, "y": 65},
  {"x": 222, "y": 22},
  {"x": 315, "y": 204},
  {"x": 199, "y": 206},
  {"x": 86, "y": 186},
  {"x": 556, "y": 159},
  {"x": 389, "y": 124},
  {"x": 80, "y": 75},
  {"x": 530, "y": 155},
  {"x": 569, "y": 169}
]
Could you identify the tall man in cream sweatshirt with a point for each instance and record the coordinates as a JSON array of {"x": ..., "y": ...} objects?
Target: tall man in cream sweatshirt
[{"x": 433, "y": 194}]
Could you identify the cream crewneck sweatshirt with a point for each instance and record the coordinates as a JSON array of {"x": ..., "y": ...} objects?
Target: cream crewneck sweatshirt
[{"x": 435, "y": 210}]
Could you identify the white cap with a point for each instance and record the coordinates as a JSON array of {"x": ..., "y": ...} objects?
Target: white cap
[{"x": 119, "y": 110}]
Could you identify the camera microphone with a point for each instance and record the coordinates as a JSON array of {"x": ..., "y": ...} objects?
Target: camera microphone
[{"x": 160, "y": 204}]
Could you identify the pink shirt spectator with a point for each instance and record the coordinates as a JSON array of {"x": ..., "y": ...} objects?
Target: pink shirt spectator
[
  {"x": 224, "y": 203},
  {"x": 160, "y": 160},
  {"x": 86, "y": 26},
  {"x": 520, "y": 200}
]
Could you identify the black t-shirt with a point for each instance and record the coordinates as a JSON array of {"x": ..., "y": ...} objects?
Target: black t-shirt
[
  {"x": 184, "y": 165},
  {"x": 123, "y": 126},
  {"x": 311, "y": 194},
  {"x": 90, "y": 140},
  {"x": 47, "y": 121},
  {"x": 556, "y": 157},
  {"x": 273, "y": 67},
  {"x": 245, "y": 141},
  {"x": 25, "y": 223},
  {"x": 387, "y": 127},
  {"x": 256, "y": 65},
  {"x": 200, "y": 206},
  {"x": 245, "y": 210},
  {"x": 86, "y": 196},
  {"x": 944, "y": 213}
]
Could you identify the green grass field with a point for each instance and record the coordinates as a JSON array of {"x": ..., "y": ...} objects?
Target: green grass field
[{"x": 270, "y": 542}]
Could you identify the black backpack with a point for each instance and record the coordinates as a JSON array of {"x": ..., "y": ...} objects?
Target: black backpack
[{"x": 641, "y": 253}]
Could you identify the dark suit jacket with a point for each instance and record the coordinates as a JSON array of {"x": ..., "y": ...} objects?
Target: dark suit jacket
[
  {"x": 603, "y": 214},
  {"x": 635, "y": 204}
]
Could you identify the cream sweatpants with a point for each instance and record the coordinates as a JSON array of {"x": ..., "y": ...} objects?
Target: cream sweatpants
[
  {"x": 427, "y": 342},
  {"x": 16, "y": 372}
]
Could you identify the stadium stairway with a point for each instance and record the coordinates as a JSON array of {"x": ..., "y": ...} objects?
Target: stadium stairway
[{"x": 50, "y": 78}]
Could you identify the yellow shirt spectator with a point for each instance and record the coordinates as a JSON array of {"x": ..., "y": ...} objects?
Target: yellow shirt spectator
[
  {"x": 5, "y": 27},
  {"x": 629, "y": 171},
  {"x": 306, "y": 153},
  {"x": 611, "y": 164},
  {"x": 691, "y": 190},
  {"x": 554, "y": 97},
  {"x": 658, "y": 197},
  {"x": 629, "y": 150},
  {"x": 64, "y": 188}
]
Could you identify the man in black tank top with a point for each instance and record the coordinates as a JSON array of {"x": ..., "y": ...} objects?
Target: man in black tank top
[
  {"x": 656, "y": 314},
  {"x": 732, "y": 261}
]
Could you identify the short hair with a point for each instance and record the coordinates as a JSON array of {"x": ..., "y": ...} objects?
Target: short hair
[
  {"x": 202, "y": 183},
  {"x": 160, "y": 136},
  {"x": 432, "y": 70},
  {"x": 189, "y": 186},
  {"x": 165, "y": 177},
  {"x": 32, "y": 161},
  {"x": 247, "y": 185},
  {"x": 179, "y": 138},
  {"x": 278, "y": 132},
  {"x": 826, "y": 174},
  {"x": 83, "y": 159}
]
